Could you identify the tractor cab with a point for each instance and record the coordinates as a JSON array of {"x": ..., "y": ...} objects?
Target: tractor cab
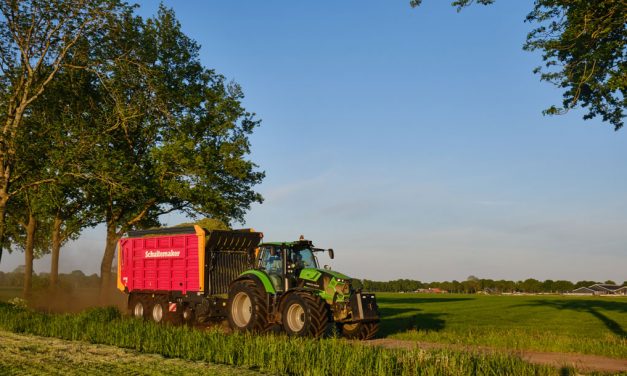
[
  {"x": 288, "y": 287},
  {"x": 283, "y": 262}
]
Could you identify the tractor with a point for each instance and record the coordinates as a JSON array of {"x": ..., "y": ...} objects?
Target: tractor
[{"x": 288, "y": 290}]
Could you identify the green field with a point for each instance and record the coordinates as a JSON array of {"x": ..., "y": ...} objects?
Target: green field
[
  {"x": 266, "y": 353},
  {"x": 585, "y": 325},
  {"x": 588, "y": 325}
]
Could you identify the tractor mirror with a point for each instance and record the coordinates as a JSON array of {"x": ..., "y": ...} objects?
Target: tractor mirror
[{"x": 331, "y": 253}]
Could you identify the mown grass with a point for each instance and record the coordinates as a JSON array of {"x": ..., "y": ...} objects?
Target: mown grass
[
  {"x": 587, "y": 325},
  {"x": 24, "y": 354},
  {"x": 272, "y": 354}
]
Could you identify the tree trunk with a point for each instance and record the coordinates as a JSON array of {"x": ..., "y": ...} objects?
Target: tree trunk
[
  {"x": 56, "y": 248},
  {"x": 29, "y": 255},
  {"x": 3, "y": 210},
  {"x": 107, "y": 261}
]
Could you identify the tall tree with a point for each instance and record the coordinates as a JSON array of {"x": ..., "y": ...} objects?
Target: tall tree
[
  {"x": 36, "y": 36},
  {"x": 67, "y": 127},
  {"x": 174, "y": 134},
  {"x": 584, "y": 49}
]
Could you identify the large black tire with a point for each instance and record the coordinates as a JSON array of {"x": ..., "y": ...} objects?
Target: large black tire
[
  {"x": 247, "y": 308},
  {"x": 137, "y": 306},
  {"x": 305, "y": 315},
  {"x": 359, "y": 330}
]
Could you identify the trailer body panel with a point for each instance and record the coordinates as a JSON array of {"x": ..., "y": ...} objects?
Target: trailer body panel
[
  {"x": 184, "y": 260},
  {"x": 166, "y": 262}
]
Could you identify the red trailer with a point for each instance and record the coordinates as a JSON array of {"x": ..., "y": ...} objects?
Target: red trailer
[{"x": 176, "y": 273}]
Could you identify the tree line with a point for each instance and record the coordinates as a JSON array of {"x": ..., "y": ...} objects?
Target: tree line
[
  {"x": 111, "y": 118},
  {"x": 473, "y": 285},
  {"x": 67, "y": 282}
]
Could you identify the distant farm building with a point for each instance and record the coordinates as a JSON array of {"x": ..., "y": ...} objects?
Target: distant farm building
[
  {"x": 601, "y": 289},
  {"x": 432, "y": 291}
]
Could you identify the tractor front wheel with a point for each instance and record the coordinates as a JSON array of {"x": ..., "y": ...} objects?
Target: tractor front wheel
[
  {"x": 304, "y": 314},
  {"x": 360, "y": 330}
]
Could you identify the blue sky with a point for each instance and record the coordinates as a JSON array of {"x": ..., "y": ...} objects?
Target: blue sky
[{"x": 411, "y": 141}]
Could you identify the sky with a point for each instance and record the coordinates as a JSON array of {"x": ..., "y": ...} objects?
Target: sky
[{"x": 411, "y": 141}]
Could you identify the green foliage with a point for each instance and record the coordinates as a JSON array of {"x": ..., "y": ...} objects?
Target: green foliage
[
  {"x": 273, "y": 354},
  {"x": 67, "y": 281},
  {"x": 583, "y": 45},
  {"x": 207, "y": 223}
]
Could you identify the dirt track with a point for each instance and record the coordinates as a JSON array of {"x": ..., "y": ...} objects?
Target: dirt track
[{"x": 581, "y": 362}]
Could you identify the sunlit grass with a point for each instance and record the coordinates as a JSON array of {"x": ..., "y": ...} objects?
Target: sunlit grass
[{"x": 588, "y": 325}]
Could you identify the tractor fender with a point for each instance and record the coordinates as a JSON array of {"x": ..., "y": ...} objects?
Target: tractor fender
[{"x": 260, "y": 278}]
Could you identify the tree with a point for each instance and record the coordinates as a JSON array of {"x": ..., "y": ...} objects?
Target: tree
[
  {"x": 207, "y": 224},
  {"x": 563, "y": 286},
  {"x": 548, "y": 286},
  {"x": 64, "y": 143},
  {"x": 173, "y": 134},
  {"x": 36, "y": 36},
  {"x": 583, "y": 45},
  {"x": 531, "y": 285},
  {"x": 27, "y": 231},
  {"x": 584, "y": 284}
]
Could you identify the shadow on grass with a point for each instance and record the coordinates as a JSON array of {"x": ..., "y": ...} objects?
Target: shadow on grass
[
  {"x": 400, "y": 314},
  {"x": 592, "y": 307}
]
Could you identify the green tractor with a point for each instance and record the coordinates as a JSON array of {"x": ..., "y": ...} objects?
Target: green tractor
[{"x": 287, "y": 289}]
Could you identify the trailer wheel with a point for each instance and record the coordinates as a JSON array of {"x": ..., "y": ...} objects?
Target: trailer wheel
[
  {"x": 158, "y": 311},
  {"x": 359, "y": 330},
  {"x": 247, "y": 308},
  {"x": 305, "y": 314},
  {"x": 188, "y": 316},
  {"x": 137, "y": 307}
]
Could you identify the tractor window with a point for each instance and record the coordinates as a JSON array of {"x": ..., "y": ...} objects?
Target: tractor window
[
  {"x": 305, "y": 258},
  {"x": 270, "y": 262}
]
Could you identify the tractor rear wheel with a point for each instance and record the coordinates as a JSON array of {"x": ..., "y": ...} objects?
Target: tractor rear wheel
[
  {"x": 247, "y": 308},
  {"x": 305, "y": 314},
  {"x": 360, "y": 330}
]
